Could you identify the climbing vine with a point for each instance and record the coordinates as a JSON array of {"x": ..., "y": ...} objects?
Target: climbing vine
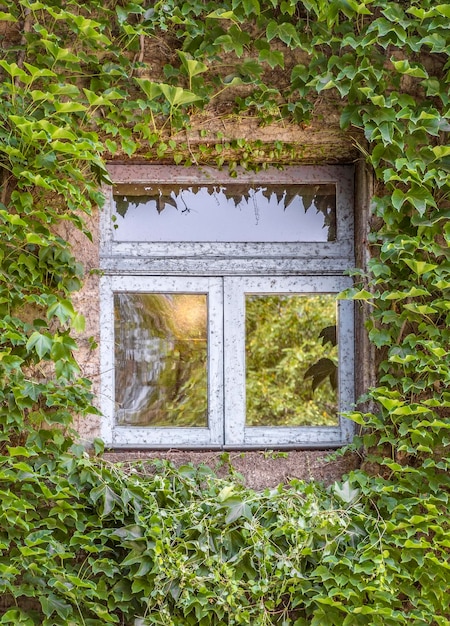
[{"x": 85, "y": 543}]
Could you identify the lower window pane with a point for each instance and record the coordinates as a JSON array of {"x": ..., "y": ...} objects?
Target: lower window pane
[
  {"x": 291, "y": 360},
  {"x": 161, "y": 359}
]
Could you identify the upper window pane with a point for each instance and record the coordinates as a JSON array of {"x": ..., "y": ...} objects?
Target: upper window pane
[{"x": 225, "y": 213}]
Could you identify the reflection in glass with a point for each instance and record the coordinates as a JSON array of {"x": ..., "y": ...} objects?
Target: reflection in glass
[
  {"x": 161, "y": 359},
  {"x": 291, "y": 360},
  {"x": 235, "y": 213}
]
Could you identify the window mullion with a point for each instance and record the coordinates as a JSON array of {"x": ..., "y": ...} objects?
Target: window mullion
[
  {"x": 224, "y": 352},
  {"x": 215, "y": 360},
  {"x": 234, "y": 361}
]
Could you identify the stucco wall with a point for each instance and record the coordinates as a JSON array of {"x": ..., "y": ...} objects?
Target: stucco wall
[{"x": 87, "y": 302}]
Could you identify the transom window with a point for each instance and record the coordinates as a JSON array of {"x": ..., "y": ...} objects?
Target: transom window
[{"x": 220, "y": 321}]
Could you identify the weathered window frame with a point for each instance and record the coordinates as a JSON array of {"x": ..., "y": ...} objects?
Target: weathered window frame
[{"x": 240, "y": 268}]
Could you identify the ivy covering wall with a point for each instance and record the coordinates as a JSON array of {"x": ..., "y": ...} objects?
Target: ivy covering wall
[{"x": 85, "y": 543}]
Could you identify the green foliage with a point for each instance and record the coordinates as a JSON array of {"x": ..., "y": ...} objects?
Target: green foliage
[
  {"x": 92, "y": 544},
  {"x": 83, "y": 543},
  {"x": 283, "y": 347}
]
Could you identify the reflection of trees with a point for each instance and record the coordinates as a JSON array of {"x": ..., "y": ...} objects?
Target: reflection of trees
[
  {"x": 282, "y": 341},
  {"x": 160, "y": 359},
  {"x": 324, "y": 368},
  {"x": 320, "y": 197}
]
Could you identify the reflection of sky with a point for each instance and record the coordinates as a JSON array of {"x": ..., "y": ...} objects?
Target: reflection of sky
[{"x": 205, "y": 217}]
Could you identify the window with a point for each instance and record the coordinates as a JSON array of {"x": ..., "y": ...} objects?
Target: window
[{"x": 220, "y": 322}]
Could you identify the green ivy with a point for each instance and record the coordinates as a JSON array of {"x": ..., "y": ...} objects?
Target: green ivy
[{"x": 86, "y": 543}]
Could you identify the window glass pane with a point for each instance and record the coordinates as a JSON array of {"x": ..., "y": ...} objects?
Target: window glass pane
[
  {"x": 291, "y": 360},
  {"x": 233, "y": 213},
  {"x": 161, "y": 359}
]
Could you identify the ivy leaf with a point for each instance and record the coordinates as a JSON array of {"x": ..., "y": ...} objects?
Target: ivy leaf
[
  {"x": 108, "y": 496},
  {"x": 421, "y": 309},
  {"x": 14, "y": 71},
  {"x": 221, "y": 14},
  {"x": 249, "y": 70},
  {"x": 272, "y": 58},
  {"x": 7, "y": 17},
  {"x": 271, "y": 30},
  {"x": 380, "y": 337},
  {"x": 237, "y": 508},
  {"x": 41, "y": 343},
  {"x": 321, "y": 370},
  {"x": 420, "y": 267},
  {"x": 328, "y": 335},
  {"x": 46, "y": 160},
  {"x": 192, "y": 66},
  {"x": 225, "y": 493},
  {"x": 436, "y": 42},
  {"x": 251, "y": 6},
  {"x": 62, "y": 309},
  {"x": 69, "y": 107},
  {"x": 404, "y": 67},
  {"x": 122, "y": 14},
  {"x": 17, "y": 616},
  {"x": 420, "y": 198},
  {"x": 53, "y": 604},
  {"x": 398, "y": 198},
  {"x": 235, "y": 41},
  {"x": 177, "y": 95},
  {"x": 20, "y": 451},
  {"x": 287, "y": 33},
  {"x": 34, "y": 238},
  {"x": 346, "y": 492},
  {"x": 443, "y": 9},
  {"x": 151, "y": 89},
  {"x": 441, "y": 151}
]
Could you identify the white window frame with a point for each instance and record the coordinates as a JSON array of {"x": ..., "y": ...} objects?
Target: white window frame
[
  {"x": 226, "y": 272},
  {"x": 236, "y": 432},
  {"x": 175, "y": 437}
]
